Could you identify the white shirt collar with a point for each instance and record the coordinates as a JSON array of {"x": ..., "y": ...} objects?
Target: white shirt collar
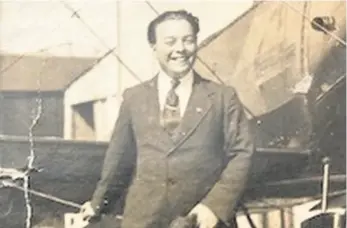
[
  {"x": 164, "y": 79},
  {"x": 183, "y": 90}
]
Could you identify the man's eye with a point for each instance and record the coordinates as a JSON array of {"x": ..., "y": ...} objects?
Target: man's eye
[
  {"x": 170, "y": 42},
  {"x": 189, "y": 40}
]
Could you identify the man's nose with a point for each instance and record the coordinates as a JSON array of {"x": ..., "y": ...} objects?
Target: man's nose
[{"x": 179, "y": 46}]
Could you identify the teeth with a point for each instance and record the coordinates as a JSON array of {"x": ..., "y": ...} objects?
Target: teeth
[{"x": 179, "y": 58}]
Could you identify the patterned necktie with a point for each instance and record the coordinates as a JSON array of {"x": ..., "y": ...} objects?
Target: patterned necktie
[{"x": 171, "y": 117}]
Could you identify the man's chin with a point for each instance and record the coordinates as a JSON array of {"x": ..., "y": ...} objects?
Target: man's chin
[{"x": 181, "y": 74}]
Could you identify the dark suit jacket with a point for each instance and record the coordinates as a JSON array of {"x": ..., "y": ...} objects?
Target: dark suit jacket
[{"x": 206, "y": 162}]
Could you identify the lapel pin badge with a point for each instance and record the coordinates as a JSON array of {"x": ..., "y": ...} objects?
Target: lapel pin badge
[{"x": 198, "y": 110}]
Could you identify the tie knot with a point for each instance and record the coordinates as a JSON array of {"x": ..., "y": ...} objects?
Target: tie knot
[{"x": 175, "y": 82}]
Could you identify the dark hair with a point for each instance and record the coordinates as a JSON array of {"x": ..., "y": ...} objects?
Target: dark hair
[{"x": 179, "y": 14}]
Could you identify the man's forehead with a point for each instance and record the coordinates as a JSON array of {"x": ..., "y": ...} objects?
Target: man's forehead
[{"x": 174, "y": 27}]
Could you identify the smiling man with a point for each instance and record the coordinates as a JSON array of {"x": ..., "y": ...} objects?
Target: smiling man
[{"x": 190, "y": 136}]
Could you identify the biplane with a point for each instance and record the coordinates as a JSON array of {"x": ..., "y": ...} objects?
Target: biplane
[{"x": 290, "y": 71}]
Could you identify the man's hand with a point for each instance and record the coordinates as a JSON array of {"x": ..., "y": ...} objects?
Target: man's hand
[
  {"x": 205, "y": 217},
  {"x": 87, "y": 211},
  {"x": 184, "y": 222}
]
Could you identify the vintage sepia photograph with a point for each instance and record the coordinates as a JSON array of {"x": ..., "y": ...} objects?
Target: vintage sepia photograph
[{"x": 172, "y": 114}]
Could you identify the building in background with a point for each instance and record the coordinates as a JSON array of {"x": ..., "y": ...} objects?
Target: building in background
[{"x": 30, "y": 83}]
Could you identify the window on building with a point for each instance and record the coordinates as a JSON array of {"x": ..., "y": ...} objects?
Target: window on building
[{"x": 83, "y": 124}]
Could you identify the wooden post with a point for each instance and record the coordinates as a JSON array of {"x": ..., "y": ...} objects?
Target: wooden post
[{"x": 325, "y": 188}]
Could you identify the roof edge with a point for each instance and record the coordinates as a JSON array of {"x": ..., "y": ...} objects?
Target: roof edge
[{"x": 88, "y": 69}]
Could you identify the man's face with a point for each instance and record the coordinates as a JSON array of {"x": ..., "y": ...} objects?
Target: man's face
[{"x": 175, "y": 46}]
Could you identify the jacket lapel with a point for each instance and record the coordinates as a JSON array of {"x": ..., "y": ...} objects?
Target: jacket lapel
[
  {"x": 152, "y": 109},
  {"x": 200, "y": 103}
]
